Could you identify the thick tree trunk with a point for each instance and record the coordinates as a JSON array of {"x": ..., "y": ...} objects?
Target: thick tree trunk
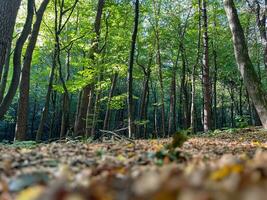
[
  {"x": 17, "y": 59},
  {"x": 130, "y": 73},
  {"x": 5, "y": 73},
  {"x": 251, "y": 81},
  {"x": 24, "y": 90},
  {"x": 206, "y": 73},
  {"x": 8, "y": 15}
]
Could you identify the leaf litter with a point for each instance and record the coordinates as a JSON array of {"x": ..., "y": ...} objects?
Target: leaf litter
[{"x": 225, "y": 165}]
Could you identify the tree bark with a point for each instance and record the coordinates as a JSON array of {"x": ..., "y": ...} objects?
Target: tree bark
[
  {"x": 111, "y": 92},
  {"x": 5, "y": 73},
  {"x": 45, "y": 110},
  {"x": 8, "y": 15},
  {"x": 24, "y": 90},
  {"x": 251, "y": 81},
  {"x": 130, "y": 72},
  {"x": 193, "y": 79},
  {"x": 145, "y": 98},
  {"x": 206, "y": 69},
  {"x": 80, "y": 125},
  {"x": 17, "y": 60}
]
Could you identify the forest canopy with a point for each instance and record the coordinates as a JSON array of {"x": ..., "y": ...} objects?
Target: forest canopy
[
  {"x": 143, "y": 68},
  {"x": 133, "y": 99}
]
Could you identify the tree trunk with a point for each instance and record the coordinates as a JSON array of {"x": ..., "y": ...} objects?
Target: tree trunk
[
  {"x": 96, "y": 108},
  {"x": 155, "y": 112},
  {"x": 45, "y": 110},
  {"x": 130, "y": 73},
  {"x": 206, "y": 75},
  {"x": 80, "y": 123},
  {"x": 193, "y": 79},
  {"x": 5, "y": 73},
  {"x": 111, "y": 92},
  {"x": 33, "y": 117},
  {"x": 251, "y": 81},
  {"x": 66, "y": 100},
  {"x": 54, "y": 113},
  {"x": 172, "y": 114},
  {"x": 89, "y": 113},
  {"x": 222, "y": 111},
  {"x": 145, "y": 98},
  {"x": 261, "y": 23},
  {"x": 17, "y": 59},
  {"x": 8, "y": 15},
  {"x": 23, "y": 103}
]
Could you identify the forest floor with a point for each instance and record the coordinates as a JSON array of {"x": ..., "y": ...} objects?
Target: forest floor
[{"x": 224, "y": 165}]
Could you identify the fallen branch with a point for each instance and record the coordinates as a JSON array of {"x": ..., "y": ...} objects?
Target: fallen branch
[{"x": 117, "y": 135}]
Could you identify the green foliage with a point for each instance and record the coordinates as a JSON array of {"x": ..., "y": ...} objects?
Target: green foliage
[
  {"x": 118, "y": 102},
  {"x": 242, "y": 121},
  {"x": 178, "y": 139},
  {"x": 24, "y": 144}
]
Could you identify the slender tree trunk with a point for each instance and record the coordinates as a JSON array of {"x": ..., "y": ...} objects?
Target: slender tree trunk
[
  {"x": 251, "y": 81},
  {"x": 193, "y": 79},
  {"x": 172, "y": 114},
  {"x": 66, "y": 100},
  {"x": 80, "y": 123},
  {"x": 130, "y": 72},
  {"x": 206, "y": 75},
  {"x": 45, "y": 110},
  {"x": 215, "y": 89},
  {"x": 33, "y": 117},
  {"x": 240, "y": 98},
  {"x": 24, "y": 90},
  {"x": 111, "y": 93},
  {"x": 89, "y": 113},
  {"x": 145, "y": 99},
  {"x": 96, "y": 109},
  {"x": 54, "y": 113},
  {"x": 222, "y": 111},
  {"x": 261, "y": 23},
  {"x": 155, "y": 112},
  {"x": 231, "y": 92}
]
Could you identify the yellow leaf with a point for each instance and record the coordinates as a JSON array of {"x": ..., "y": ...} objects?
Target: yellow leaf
[
  {"x": 226, "y": 171},
  {"x": 256, "y": 143},
  {"x": 25, "y": 150},
  {"x": 121, "y": 158},
  {"x": 30, "y": 193}
]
